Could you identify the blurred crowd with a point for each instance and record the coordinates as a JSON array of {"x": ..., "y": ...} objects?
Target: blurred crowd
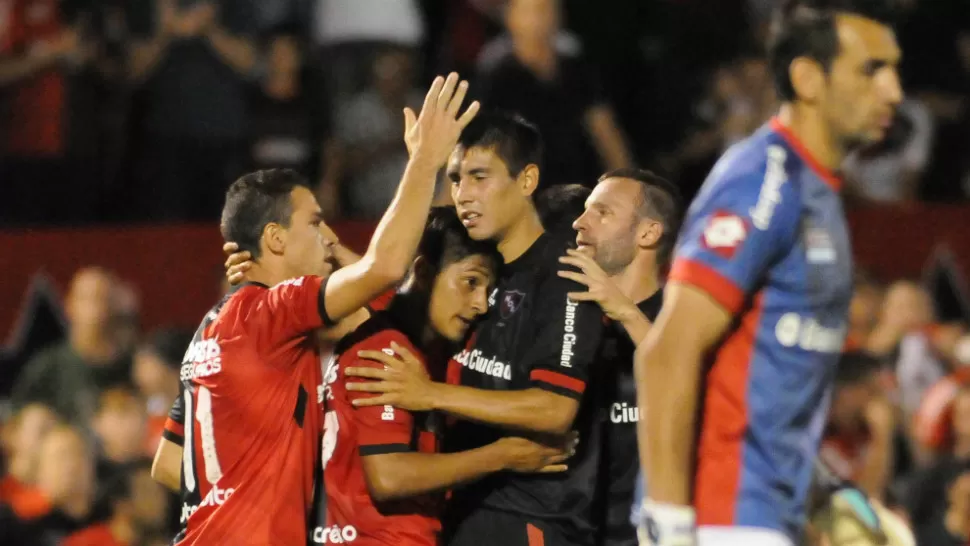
[{"x": 145, "y": 111}]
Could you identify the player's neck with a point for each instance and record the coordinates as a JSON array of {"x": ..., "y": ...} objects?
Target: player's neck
[
  {"x": 520, "y": 236},
  {"x": 639, "y": 280},
  {"x": 811, "y": 129},
  {"x": 266, "y": 273},
  {"x": 122, "y": 530}
]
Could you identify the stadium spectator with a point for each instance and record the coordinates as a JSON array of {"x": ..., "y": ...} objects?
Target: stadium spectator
[
  {"x": 555, "y": 90},
  {"x": 137, "y": 510},
  {"x": 858, "y": 444},
  {"x": 156, "y": 374},
  {"x": 49, "y": 132},
  {"x": 119, "y": 425},
  {"x": 863, "y": 311},
  {"x": 22, "y": 436},
  {"x": 364, "y": 171},
  {"x": 289, "y": 114},
  {"x": 906, "y": 308},
  {"x": 192, "y": 61},
  {"x": 939, "y": 496},
  {"x": 69, "y": 376},
  {"x": 890, "y": 171}
]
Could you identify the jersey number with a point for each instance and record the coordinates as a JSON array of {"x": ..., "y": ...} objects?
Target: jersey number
[
  {"x": 203, "y": 414},
  {"x": 330, "y": 428}
]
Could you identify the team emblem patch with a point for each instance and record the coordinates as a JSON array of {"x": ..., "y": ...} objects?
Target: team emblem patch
[
  {"x": 511, "y": 301},
  {"x": 819, "y": 248},
  {"x": 724, "y": 234}
]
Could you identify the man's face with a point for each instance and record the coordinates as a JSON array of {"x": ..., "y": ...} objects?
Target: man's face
[
  {"x": 849, "y": 404},
  {"x": 65, "y": 467},
  {"x": 308, "y": 240},
  {"x": 863, "y": 87},
  {"x": 532, "y": 20},
  {"x": 488, "y": 199},
  {"x": 459, "y": 295},
  {"x": 607, "y": 230},
  {"x": 90, "y": 301}
]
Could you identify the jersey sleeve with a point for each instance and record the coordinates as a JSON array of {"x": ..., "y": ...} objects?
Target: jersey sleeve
[
  {"x": 560, "y": 359},
  {"x": 380, "y": 429},
  {"x": 174, "y": 430},
  {"x": 734, "y": 231},
  {"x": 295, "y": 307}
]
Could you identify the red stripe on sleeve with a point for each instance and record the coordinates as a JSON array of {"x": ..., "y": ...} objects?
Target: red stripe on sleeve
[
  {"x": 175, "y": 428},
  {"x": 559, "y": 380},
  {"x": 708, "y": 279}
]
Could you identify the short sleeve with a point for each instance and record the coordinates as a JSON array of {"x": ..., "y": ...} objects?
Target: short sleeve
[
  {"x": 380, "y": 429},
  {"x": 566, "y": 346},
  {"x": 296, "y": 307},
  {"x": 174, "y": 430},
  {"x": 734, "y": 232}
]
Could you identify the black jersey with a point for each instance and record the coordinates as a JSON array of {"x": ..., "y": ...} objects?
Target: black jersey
[
  {"x": 533, "y": 336},
  {"x": 617, "y": 413}
]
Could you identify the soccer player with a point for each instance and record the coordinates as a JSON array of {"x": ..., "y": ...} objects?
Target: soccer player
[
  {"x": 761, "y": 282},
  {"x": 527, "y": 365},
  {"x": 625, "y": 238},
  {"x": 249, "y": 427},
  {"x": 384, "y": 478}
]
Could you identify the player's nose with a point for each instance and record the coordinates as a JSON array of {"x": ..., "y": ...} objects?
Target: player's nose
[{"x": 480, "y": 301}]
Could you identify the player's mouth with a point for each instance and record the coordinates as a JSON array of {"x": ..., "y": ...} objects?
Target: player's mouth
[
  {"x": 469, "y": 219},
  {"x": 584, "y": 246}
]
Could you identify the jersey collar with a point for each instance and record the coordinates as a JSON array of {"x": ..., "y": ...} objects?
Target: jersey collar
[{"x": 827, "y": 175}]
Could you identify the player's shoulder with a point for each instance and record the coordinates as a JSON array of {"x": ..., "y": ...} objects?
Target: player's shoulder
[
  {"x": 760, "y": 166},
  {"x": 375, "y": 334}
]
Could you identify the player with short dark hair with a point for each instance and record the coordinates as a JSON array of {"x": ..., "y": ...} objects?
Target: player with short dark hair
[
  {"x": 384, "y": 475},
  {"x": 560, "y": 205},
  {"x": 624, "y": 238},
  {"x": 527, "y": 364},
  {"x": 246, "y": 419},
  {"x": 760, "y": 283}
]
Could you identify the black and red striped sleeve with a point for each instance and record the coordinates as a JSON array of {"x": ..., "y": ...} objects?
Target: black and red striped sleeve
[
  {"x": 568, "y": 339},
  {"x": 174, "y": 430}
]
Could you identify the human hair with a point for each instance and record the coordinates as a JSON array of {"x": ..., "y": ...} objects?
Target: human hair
[
  {"x": 256, "y": 200},
  {"x": 169, "y": 345},
  {"x": 120, "y": 398},
  {"x": 855, "y": 367},
  {"x": 446, "y": 241},
  {"x": 807, "y": 28},
  {"x": 561, "y": 205},
  {"x": 513, "y": 139},
  {"x": 660, "y": 200}
]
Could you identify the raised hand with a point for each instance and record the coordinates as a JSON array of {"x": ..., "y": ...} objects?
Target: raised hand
[
  {"x": 600, "y": 288},
  {"x": 433, "y": 134}
]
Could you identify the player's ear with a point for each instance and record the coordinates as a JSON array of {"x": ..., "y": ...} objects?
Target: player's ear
[
  {"x": 274, "y": 238},
  {"x": 422, "y": 274},
  {"x": 807, "y": 78},
  {"x": 649, "y": 233},
  {"x": 528, "y": 179}
]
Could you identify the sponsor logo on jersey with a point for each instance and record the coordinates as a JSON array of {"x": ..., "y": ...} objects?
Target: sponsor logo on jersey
[
  {"x": 770, "y": 195},
  {"x": 491, "y": 298},
  {"x": 215, "y": 497},
  {"x": 475, "y": 361},
  {"x": 621, "y": 412},
  {"x": 388, "y": 413},
  {"x": 819, "y": 248},
  {"x": 202, "y": 359},
  {"x": 793, "y": 330},
  {"x": 334, "y": 534},
  {"x": 511, "y": 301},
  {"x": 330, "y": 372},
  {"x": 724, "y": 233},
  {"x": 569, "y": 335}
]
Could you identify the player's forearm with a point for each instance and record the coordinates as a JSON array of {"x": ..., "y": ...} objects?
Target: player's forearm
[
  {"x": 238, "y": 53},
  {"x": 533, "y": 410},
  {"x": 607, "y": 138},
  {"x": 397, "y": 235},
  {"x": 143, "y": 57},
  {"x": 397, "y": 475},
  {"x": 15, "y": 70},
  {"x": 344, "y": 256},
  {"x": 667, "y": 391}
]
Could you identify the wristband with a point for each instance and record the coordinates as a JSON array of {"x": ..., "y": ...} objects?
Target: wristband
[{"x": 666, "y": 525}]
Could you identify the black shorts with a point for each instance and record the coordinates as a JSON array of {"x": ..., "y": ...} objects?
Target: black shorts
[{"x": 490, "y": 527}]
